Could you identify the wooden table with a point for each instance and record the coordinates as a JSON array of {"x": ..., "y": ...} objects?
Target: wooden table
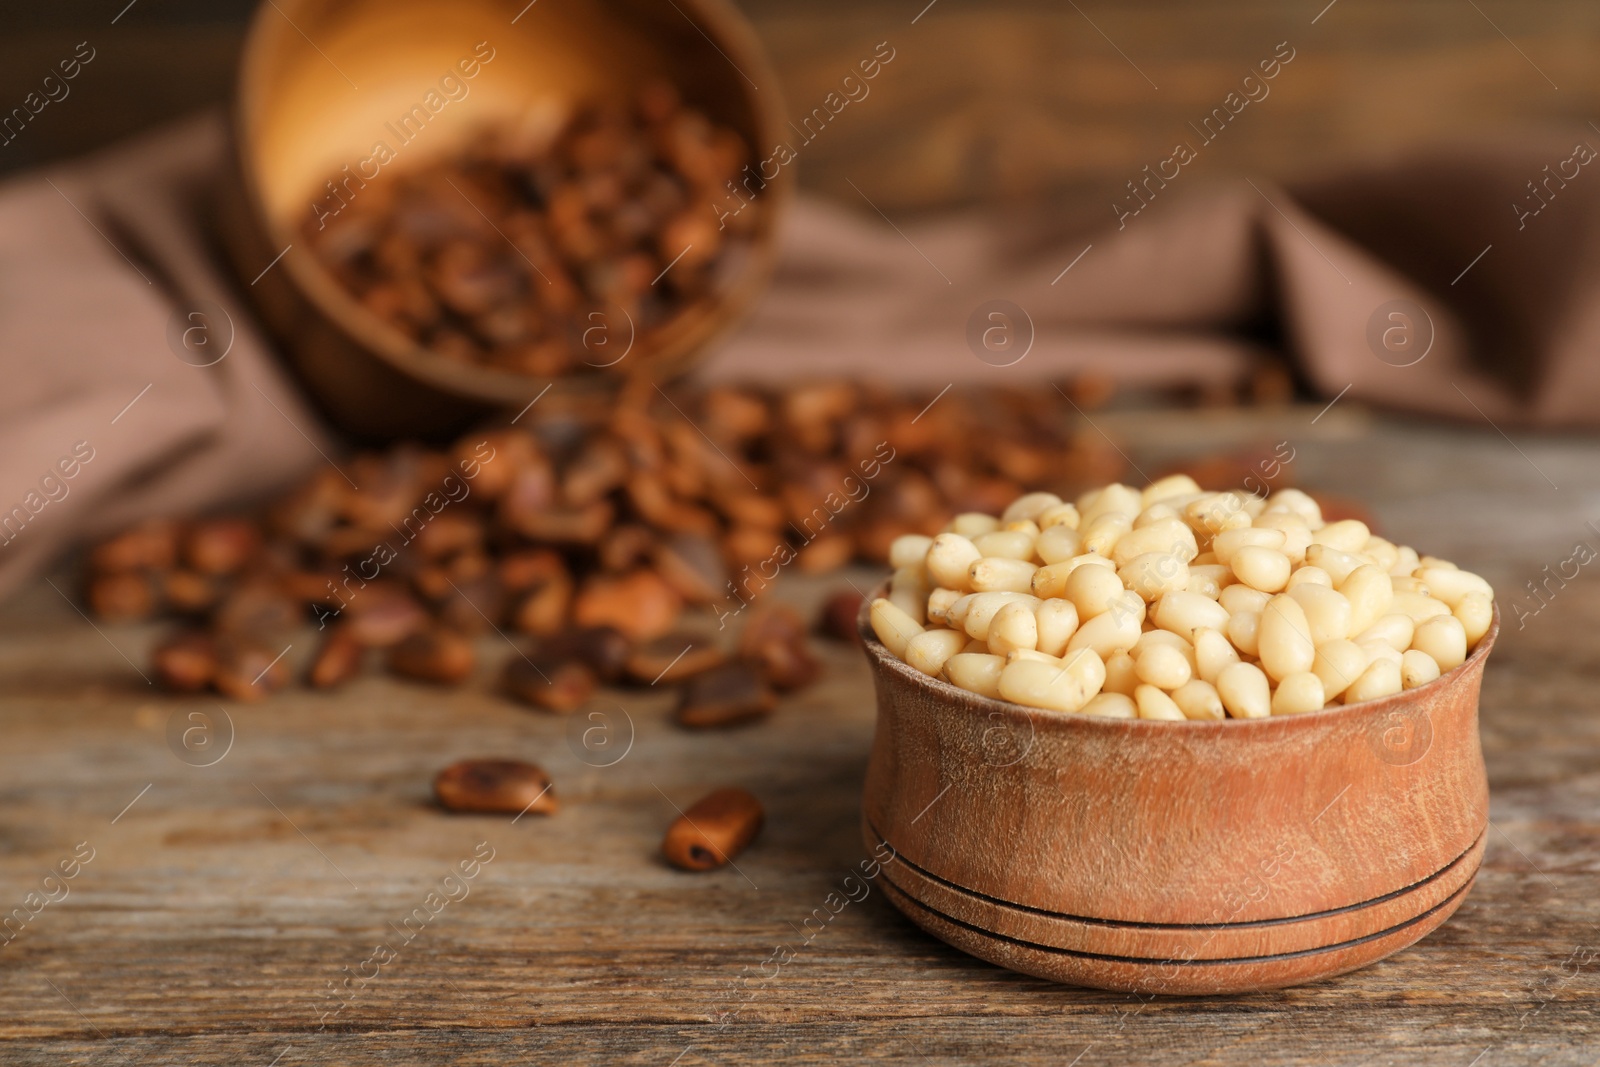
[{"x": 223, "y": 901}]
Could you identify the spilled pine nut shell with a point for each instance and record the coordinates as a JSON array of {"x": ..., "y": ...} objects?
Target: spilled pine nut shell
[
  {"x": 714, "y": 830},
  {"x": 495, "y": 785}
]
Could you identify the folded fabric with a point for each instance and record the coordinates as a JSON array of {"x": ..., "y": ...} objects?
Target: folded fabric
[{"x": 138, "y": 382}]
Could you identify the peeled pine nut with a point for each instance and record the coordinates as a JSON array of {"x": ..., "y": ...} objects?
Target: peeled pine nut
[
  {"x": 1106, "y": 633},
  {"x": 1309, "y": 575},
  {"x": 1327, "y": 612},
  {"x": 1245, "y": 691},
  {"x": 1393, "y": 630},
  {"x": 1198, "y": 699},
  {"x": 974, "y": 646},
  {"x": 949, "y": 559},
  {"x": 975, "y": 672},
  {"x": 1092, "y": 590},
  {"x": 1347, "y": 535},
  {"x": 894, "y": 627},
  {"x": 1056, "y": 621},
  {"x": 1154, "y": 574},
  {"x": 1383, "y": 553},
  {"x": 1297, "y": 694},
  {"x": 1029, "y": 505},
  {"x": 970, "y": 524},
  {"x": 1032, "y": 656},
  {"x": 1170, "y": 486},
  {"x": 1005, "y": 544},
  {"x": 1154, "y": 704},
  {"x": 1027, "y": 526},
  {"x": 1216, "y": 513},
  {"x": 1057, "y": 543},
  {"x": 1424, "y": 562},
  {"x": 1244, "y": 631},
  {"x": 1409, "y": 584},
  {"x": 1419, "y": 606},
  {"x": 1051, "y": 580},
  {"x": 1208, "y": 580},
  {"x": 1380, "y": 679},
  {"x": 1337, "y": 563},
  {"x": 1338, "y": 665},
  {"x": 1112, "y": 706},
  {"x": 1297, "y": 502},
  {"x": 981, "y": 609},
  {"x": 999, "y": 575},
  {"x": 939, "y": 603},
  {"x": 1059, "y": 515},
  {"x": 1225, "y": 544},
  {"x": 1417, "y": 668},
  {"x": 1444, "y": 639},
  {"x": 1184, "y": 613},
  {"x": 1376, "y": 650},
  {"x": 909, "y": 550},
  {"x": 1171, "y": 536},
  {"x": 1265, "y": 569},
  {"x": 908, "y": 589},
  {"x": 1407, "y": 563},
  {"x": 1240, "y": 597},
  {"x": 1115, "y": 497},
  {"x": 1014, "y": 626},
  {"x": 1122, "y": 673},
  {"x": 1476, "y": 612},
  {"x": 1066, "y": 685},
  {"x": 1370, "y": 591},
  {"x": 1296, "y": 534},
  {"x": 1155, "y": 513},
  {"x": 1212, "y": 653},
  {"x": 1163, "y": 667},
  {"x": 929, "y": 650},
  {"x": 1101, "y": 533},
  {"x": 1284, "y": 641}
]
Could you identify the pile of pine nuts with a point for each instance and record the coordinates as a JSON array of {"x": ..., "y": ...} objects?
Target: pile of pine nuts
[{"x": 1174, "y": 603}]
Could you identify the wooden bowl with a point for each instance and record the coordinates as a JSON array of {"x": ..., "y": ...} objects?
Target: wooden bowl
[
  {"x": 1178, "y": 858},
  {"x": 321, "y": 81}
]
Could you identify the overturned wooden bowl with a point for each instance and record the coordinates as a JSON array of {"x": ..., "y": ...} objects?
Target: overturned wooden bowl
[
  {"x": 1176, "y": 858},
  {"x": 322, "y": 83}
]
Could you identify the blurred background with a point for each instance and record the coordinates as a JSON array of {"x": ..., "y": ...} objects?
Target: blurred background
[{"x": 1000, "y": 102}]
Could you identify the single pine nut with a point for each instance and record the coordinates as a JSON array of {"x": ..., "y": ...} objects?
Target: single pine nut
[
  {"x": 1051, "y": 580},
  {"x": 1163, "y": 667},
  {"x": 1156, "y": 513},
  {"x": 1309, "y": 575},
  {"x": 949, "y": 559},
  {"x": 1212, "y": 653},
  {"x": 894, "y": 627},
  {"x": 1154, "y": 574},
  {"x": 1106, "y": 633},
  {"x": 1014, "y": 626},
  {"x": 1419, "y": 606},
  {"x": 1338, "y": 665},
  {"x": 1244, "y": 630},
  {"x": 975, "y": 672},
  {"x": 1240, "y": 597},
  {"x": 1383, "y": 553},
  {"x": 1027, "y": 526},
  {"x": 1165, "y": 488},
  {"x": 1297, "y": 502},
  {"x": 1029, "y": 505},
  {"x": 1297, "y": 694},
  {"x": 980, "y": 611},
  {"x": 1434, "y": 561},
  {"x": 971, "y": 524},
  {"x": 1296, "y": 534},
  {"x": 1216, "y": 513},
  {"x": 1198, "y": 699},
  {"x": 1101, "y": 533},
  {"x": 1409, "y": 584},
  {"x": 1417, "y": 668},
  {"x": 1060, "y": 515},
  {"x": 1451, "y": 585},
  {"x": 1260, "y": 568},
  {"x": 1092, "y": 590},
  {"x": 1209, "y": 580},
  {"x": 1112, "y": 706},
  {"x": 1005, "y": 544},
  {"x": 1184, "y": 613},
  {"x": 996, "y": 575},
  {"x": 1245, "y": 691},
  {"x": 1407, "y": 563},
  {"x": 1284, "y": 639},
  {"x": 1170, "y": 536},
  {"x": 1380, "y": 679},
  {"x": 1369, "y": 590},
  {"x": 1445, "y": 639},
  {"x": 1122, "y": 673},
  {"x": 1376, "y": 650},
  {"x": 1058, "y": 543},
  {"x": 1476, "y": 612},
  {"x": 939, "y": 603},
  {"x": 1336, "y": 562},
  {"x": 1395, "y": 631},
  {"x": 1154, "y": 704},
  {"x": 1227, "y": 543},
  {"x": 1064, "y": 686},
  {"x": 928, "y": 650},
  {"x": 909, "y": 550},
  {"x": 1114, "y": 497},
  {"x": 1056, "y": 621},
  {"x": 908, "y": 590},
  {"x": 1327, "y": 612},
  {"x": 1347, "y": 535}
]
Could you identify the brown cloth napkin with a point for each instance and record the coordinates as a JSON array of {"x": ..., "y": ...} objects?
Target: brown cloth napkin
[{"x": 104, "y": 262}]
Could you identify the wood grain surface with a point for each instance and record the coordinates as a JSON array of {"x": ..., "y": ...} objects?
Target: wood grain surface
[{"x": 221, "y": 902}]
